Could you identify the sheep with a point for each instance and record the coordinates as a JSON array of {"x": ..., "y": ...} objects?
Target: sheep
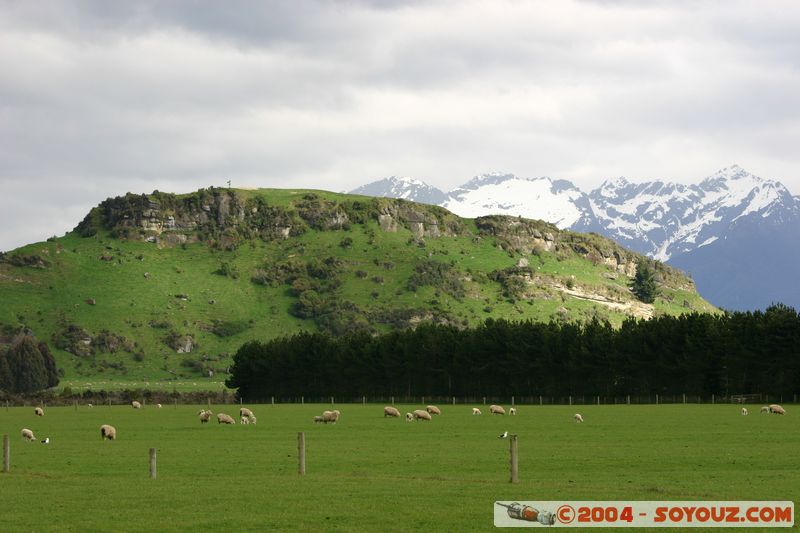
[
  {"x": 244, "y": 411},
  {"x": 108, "y": 432},
  {"x": 38, "y": 411},
  {"x": 136, "y": 405},
  {"x": 497, "y": 410},
  {"x": 330, "y": 416},
  {"x": 764, "y": 409},
  {"x": 777, "y": 409},
  {"x": 253, "y": 420},
  {"x": 89, "y": 405},
  {"x": 222, "y": 418},
  {"x": 512, "y": 411},
  {"x": 390, "y": 411},
  {"x": 409, "y": 417},
  {"x": 244, "y": 420},
  {"x": 205, "y": 416},
  {"x": 319, "y": 419},
  {"x": 578, "y": 418},
  {"x": 432, "y": 409},
  {"x": 419, "y": 414},
  {"x": 744, "y": 411},
  {"x": 476, "y": 411},
  {"x": 27, "y": 434},
  {"x": 158, "y": 406}
]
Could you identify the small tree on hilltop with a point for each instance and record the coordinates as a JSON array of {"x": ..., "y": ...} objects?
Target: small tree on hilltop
[{"x": 644, "y": 283}]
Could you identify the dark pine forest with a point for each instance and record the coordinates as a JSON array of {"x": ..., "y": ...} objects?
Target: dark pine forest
[{"x": 698, "y": 354}]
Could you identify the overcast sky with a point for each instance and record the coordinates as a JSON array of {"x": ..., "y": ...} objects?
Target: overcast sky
[{"x": 101, "y": 98}]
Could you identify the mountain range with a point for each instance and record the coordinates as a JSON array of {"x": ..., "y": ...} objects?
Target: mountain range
[{"x": 734, "y": 232}]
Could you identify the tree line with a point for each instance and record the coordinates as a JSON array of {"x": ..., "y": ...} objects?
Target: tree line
[
  {"x": 26, "y": 365},
  {"x": 699, "y": 354}
]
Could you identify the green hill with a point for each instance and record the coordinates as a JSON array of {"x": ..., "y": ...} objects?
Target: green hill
[{"x": 164, "y": 288}]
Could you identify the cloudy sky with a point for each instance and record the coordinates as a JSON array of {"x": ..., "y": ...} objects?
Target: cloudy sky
[{"x": 100, "y": 98}]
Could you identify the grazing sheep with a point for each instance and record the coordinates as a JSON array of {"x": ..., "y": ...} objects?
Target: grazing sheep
[
  {"x": 776, "y": 409},
  {"x": 38, "y": 411},
  {"x": 205, "y": 416},
  {"x": 27, "y": 434},
  {"x": 419, "y": 414},
  {"x": 319, "y": 419},
  {"x": 89, "y": 405},
  {"x": 512, "y": 411},
  {"x": 578, "y": 418},
  {"x": 337, "y": 413},
  {"x": 108, "y": 432},
  {"x": 432, "y": 409},
  {"x": 390, "y": 411},
  {"x": 244, "y": 420},
  {"x": 409, "y": 417},
  {"x": 765, "y": 409},
  {"x": 136, "y": 405},
  {"x": 497, "y": 410},
  {"x": 744, "y": 411},
  {"x": 222, "y": 418},
  {"x": 330, "y": 416},
  {"x": 476, "y": 411},
  {"x": 158, "y": 405},
  {"x": 244, "y": 411},
  {"x": 253, "y": 420}
]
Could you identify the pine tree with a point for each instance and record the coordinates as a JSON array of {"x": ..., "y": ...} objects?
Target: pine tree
[
  {"x": 644, "y": 283},
  {"x": 27, "y": 366}
]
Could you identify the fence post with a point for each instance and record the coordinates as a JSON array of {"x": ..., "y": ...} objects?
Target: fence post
[
  {"x": 540, "y": 399},
  {"x": 712, "y": 399},
  {"x": 570, "y": 400},
  {"x": 152, "y": 463},
  {"x": 598, "y": 400},
  {"x": 6, "y": 454},
  {"x": 484, "y": 400},
  {"x": 629, "y": 399},
  {"x": 6, "y": 405},
  {"x": 656, "y": 399},
  {"x": 302, "y": 400},
  {"x": 514, "y": 460},
  {"x": 76, "y": 405},
  {"x": 392, "y": 400},
  {"x": 208, "y": 401},
  {"x": 364, "y": 400},
  {"x": 512, "y": 401},
  {"x": 684, "y": 397},
  {"x": 272, "y": 400},
  {"x": 331, "y": 400},
  {"x": 423, "y": 400},
  {"x": 301, "y": 453}
]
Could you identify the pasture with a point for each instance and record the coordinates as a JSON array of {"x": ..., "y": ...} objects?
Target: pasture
[{"x": 368, "y": 473}]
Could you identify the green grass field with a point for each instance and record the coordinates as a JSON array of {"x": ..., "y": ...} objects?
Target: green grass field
[{"x": 367, "y": 473}]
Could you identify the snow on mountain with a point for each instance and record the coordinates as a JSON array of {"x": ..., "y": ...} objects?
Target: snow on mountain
[
  {"x": 403, "y": 187},
  {"x": 558, "y": 201}
]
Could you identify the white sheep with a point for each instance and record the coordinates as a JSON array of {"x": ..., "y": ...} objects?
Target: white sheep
[
  {"x": 205, "y": 416},
  {"x": 38, "y": 411},
  {"x": 476, "y": 411},
  {"x": 777, "y": 409},
  {"x": 330, "y": 416},
  {"x": 136, "y": 405},
  {"x": 89, "y": 405},
  {"x": 253, "y": 420},
  {"x": 390, "y": 411},
  {"x": 244, "y": 420},
  {"x": 27, "y": 434},
  {"x": 497, "y": 410},
  {"x": 319, "y": 419},
  {"x": 578, "y": 418},
  {"x": 419, "y": 414},
  {"x": 222, "y": 418},
  {"x": 432, "y": 409},
  {"x": 409, "y": 417},
  {"x": 158, "y": 405},
  {"x": 244, "y": 411},
  {"x": 108, "y": 432},
  {"x": 744, "y": 411},
  {"x": 764, "y": 409},
  {"x": 512, "y": 411}
]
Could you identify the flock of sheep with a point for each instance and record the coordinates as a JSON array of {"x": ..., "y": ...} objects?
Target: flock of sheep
[{"x": 246, "y": 416}]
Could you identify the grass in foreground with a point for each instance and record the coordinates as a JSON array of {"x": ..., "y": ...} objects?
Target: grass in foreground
[{"x": 367, "y": 473}]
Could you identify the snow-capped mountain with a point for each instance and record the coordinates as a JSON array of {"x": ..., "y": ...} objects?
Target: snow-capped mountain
[
  {"x": 403, "y": 187},
  {"x": 559, "y": 202},
  {"x": 664, "y": 220},
  {"x": 728, "y": 230}
]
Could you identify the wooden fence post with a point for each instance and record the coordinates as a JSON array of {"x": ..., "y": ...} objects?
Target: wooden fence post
[
  {"x": 570, "y": 400},
  {"x": 540, "y": 399},
  {"x": 364, "y": 400},
  {"x": 423, "y": 400},
  {"x": 302, "y": 400},
  {"x": 392, "y": 400},
  {"x": 512, "y": 401},
  {"x": 454, "y": 400},
  {"x": 684, "y": 397},
  {"x": 152, "y": 463},
  {"x": 301, "y": 453},
  {"x": 331, "y": 400},
  {"x": 629, "y": 399},
  {"x": 514, "y": 460},
  {"x": 656, "y": 399},
  {"x": 272, "y": 400},
  {"x": 484, "y": 400},
  {"x": 76, "y": 405},
  {"x": 6, "y": 454}
]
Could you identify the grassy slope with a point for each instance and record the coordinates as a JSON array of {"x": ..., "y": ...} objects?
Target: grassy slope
[
  {"x": 368, "y": 473},
  {"x": 127, "y": 303}
]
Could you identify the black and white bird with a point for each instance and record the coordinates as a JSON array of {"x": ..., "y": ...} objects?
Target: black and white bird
[
  {"x": 46, "y": 440},
  {"x": 503, "y": 435}
]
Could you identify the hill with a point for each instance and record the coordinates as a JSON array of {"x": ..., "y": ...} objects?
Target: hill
[{"x": 166, "y": 287}]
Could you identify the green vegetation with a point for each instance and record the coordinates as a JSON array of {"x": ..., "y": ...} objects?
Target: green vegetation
[
  {"x": 146, "y": 276},
  {"x": 643, "y": 285},
  {"x": 369, "y": 473},
  {"x": 26, "y": 365}
]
